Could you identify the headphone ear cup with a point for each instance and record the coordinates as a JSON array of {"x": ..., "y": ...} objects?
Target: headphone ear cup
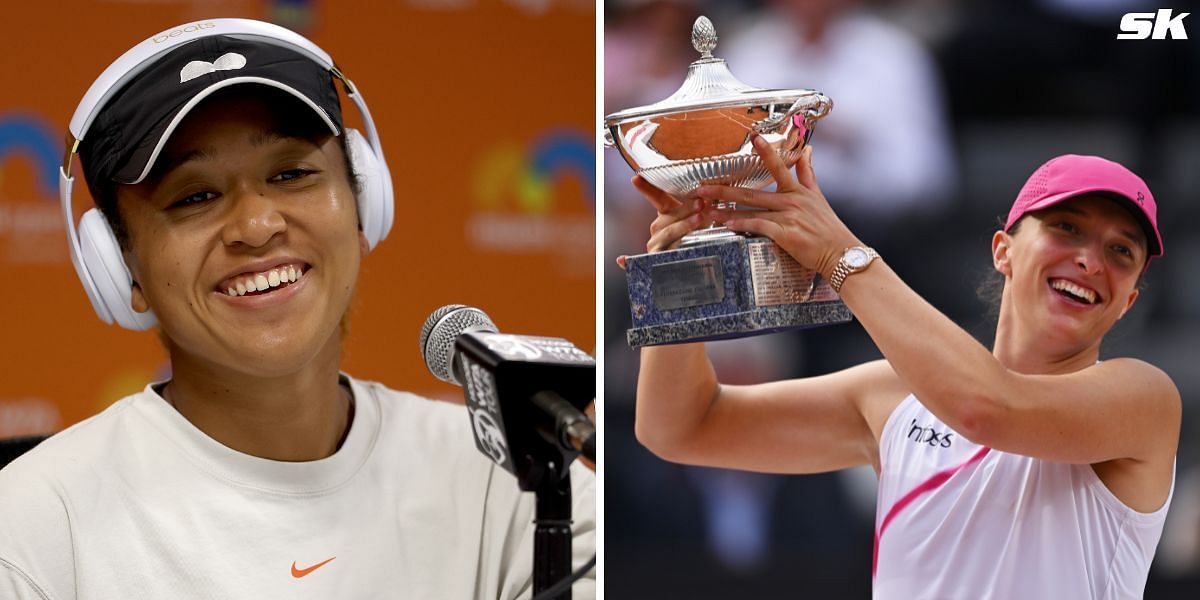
[
  {"x": 375, "y": 202},
  {"x": 104, "y": 265}
]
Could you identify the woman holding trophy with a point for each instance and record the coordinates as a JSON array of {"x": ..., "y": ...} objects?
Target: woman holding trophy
[{"x": 1033, "y": 469}]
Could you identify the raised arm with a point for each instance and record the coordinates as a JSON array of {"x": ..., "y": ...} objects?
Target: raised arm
[
  {"x": 809, "y": 425},
  {"x": 1119, "y": 409},
  {"x": 797, "y": 426}
]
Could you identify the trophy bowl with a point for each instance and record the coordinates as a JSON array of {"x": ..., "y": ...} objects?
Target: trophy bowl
[
  {"x": 680, "y": 151},
  {"x": 701, "y": 134}
]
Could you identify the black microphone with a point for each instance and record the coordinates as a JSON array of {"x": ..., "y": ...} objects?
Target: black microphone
[{"x": 525, "y": 394}]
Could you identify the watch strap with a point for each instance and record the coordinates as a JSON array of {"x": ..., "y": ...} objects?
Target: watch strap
[{"x": 843, "y": 270}]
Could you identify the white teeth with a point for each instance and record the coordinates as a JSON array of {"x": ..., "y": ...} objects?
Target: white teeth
[
  {"x": 265, "y": 280},
  {"x": 1071, "y": 288}
]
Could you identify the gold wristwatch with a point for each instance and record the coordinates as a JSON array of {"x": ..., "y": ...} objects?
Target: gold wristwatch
[{"x": 854, "y": 259}]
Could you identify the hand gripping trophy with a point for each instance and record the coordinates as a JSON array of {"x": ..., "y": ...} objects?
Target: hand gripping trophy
[{"x": 719, "y": 284}]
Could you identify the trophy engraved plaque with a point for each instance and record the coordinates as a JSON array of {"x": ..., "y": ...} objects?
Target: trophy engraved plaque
[
  {"x": 684, "y": 283},
  {"x": 777, "y": 279},
  {"x": 719, "y": 284}
]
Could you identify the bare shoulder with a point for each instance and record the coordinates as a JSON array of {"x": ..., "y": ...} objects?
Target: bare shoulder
[
  {"x": 878, "y": 391},
  {"x": 1154, "y": 393},
  {"x": 1153, "y": 382},
  {"x": 1144, "y": 483},
  {"x": 1150, "y": 392}
]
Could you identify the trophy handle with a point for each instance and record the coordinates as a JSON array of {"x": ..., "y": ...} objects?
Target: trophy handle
[{"x": 814, "y": 106}]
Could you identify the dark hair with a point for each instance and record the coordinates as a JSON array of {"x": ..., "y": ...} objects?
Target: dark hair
[
  {"x": 991, "y": 286},
  {"x": 292, "y": 117}
]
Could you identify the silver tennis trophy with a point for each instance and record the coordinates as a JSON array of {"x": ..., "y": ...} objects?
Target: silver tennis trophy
[{"x": 719, "y": 284}]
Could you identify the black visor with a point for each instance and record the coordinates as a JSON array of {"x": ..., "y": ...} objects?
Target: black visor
[{"x": 130, "y": 132}]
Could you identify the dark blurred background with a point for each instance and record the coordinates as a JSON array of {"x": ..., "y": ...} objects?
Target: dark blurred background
[{"x": 942, "y": 109}]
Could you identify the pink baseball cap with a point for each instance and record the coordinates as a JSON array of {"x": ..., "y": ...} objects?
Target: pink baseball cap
[{"x": 1071, "y": 175}]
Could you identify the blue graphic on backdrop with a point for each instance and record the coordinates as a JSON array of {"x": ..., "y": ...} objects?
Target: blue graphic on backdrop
[
  {"x": 562, "y": 151},
  {"x": 31, "y": 135},
  {"x": 526, "y": 173}
]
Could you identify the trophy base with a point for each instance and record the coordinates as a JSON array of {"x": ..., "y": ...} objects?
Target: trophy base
[
  {"x": 744, "y": 324},
  {"x": 727, "y": 288}
]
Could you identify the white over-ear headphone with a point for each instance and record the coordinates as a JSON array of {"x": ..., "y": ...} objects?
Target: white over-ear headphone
[{"x": 95, "y": 251}]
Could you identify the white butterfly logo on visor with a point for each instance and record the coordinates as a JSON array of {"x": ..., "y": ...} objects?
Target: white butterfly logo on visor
[{"x": 196, "y": 68}]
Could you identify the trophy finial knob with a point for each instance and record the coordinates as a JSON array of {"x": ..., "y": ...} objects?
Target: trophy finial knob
[{"x": 704, "y": 37}]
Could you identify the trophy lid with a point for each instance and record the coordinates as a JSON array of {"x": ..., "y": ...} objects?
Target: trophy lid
[{"x": 709, "y": 84}]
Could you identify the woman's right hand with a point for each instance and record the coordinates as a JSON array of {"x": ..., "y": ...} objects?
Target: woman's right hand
[{"x": 675, "y": 218}]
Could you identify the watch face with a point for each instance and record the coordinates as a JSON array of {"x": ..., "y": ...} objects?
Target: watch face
[{"x": 856, "y": 258}]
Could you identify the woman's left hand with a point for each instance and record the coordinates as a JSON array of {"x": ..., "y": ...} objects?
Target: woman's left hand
[{"x": 796, "y": 216}]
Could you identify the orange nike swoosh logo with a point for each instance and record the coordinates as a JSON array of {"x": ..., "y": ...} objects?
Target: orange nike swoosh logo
[{"x": 298, "y": 573}]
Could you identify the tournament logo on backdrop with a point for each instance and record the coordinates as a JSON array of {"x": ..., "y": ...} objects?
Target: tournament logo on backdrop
[
  {"x": 538, "y": 199},
  {"x": 31, "y": 232},
  {"x": 31, "y": 226}
]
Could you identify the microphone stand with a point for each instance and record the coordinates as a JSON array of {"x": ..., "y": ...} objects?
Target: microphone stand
[
  {"x": 552, "y": 535},
  {"x": 462, "y": 346},
  {"x": 571, "y": 431}
]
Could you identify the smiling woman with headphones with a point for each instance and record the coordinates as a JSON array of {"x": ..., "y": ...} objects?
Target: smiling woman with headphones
[{"x": 234, "y": 209}]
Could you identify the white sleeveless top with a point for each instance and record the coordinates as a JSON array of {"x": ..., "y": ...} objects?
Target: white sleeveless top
[{"x": 960, "y": 520}]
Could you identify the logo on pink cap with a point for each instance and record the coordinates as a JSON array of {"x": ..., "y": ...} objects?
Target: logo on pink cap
[{"x": 1072, "y": 175}]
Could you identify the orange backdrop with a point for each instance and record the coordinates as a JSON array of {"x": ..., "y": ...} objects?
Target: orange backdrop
[{"x": 486, "y": 109}]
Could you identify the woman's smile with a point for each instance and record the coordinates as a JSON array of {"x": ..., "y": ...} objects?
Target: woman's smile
[
  {"x": 265, "y": 289},
  {"x": 255, "y": 269}
]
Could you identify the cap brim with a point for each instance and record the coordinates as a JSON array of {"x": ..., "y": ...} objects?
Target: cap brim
[
  {"x": 1153, "y": 239},
  {"x": 143, "y": 158}
]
